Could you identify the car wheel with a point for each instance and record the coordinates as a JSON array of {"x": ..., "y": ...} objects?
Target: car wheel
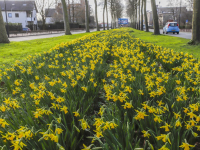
[
  {"x": 177, "y": 32},
  {"x": 166, "y": 32},
  {"x": 173, "y": 32},
  {"x": 163, "y": 32}
]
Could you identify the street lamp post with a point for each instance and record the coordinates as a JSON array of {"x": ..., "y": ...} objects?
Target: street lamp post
[{"x": 7, "y": 27}]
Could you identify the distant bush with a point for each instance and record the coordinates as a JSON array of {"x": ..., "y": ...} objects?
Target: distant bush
[
  {"x": 15, "y": 26},
  {"x": 58, "y": 25}
]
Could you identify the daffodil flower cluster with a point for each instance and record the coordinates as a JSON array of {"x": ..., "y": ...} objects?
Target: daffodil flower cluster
[{"x": 109, "y": 86}]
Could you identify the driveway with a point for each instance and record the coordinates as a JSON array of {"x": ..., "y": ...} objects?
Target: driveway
[
  {"x": 186, "y": 35},
  {"x": 33, "y": 37}
]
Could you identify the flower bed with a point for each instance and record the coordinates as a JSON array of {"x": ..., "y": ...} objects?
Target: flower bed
[{"x": 106, "y": 90}]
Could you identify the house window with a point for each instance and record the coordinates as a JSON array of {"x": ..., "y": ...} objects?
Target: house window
[
  {"x": 17, "y": 15},
  {"x": 29, "y": 14},
  {"x": 10, "y": 15}
]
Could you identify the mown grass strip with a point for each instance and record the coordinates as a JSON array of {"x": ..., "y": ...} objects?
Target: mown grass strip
[
  {"x": 13, "y": 51},
  {"x": 175, "y": 43}
]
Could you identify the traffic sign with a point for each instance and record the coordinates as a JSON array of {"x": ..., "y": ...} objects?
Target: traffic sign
[{"x": 122, "y": 21}]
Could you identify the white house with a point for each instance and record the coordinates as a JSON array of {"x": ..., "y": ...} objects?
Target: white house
[
  {"x": 23, "y": 12},
  {"x": 49, "y": 13}
]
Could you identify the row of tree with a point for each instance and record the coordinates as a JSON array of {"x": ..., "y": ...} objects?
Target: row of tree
[
  {"x": 135, "y": 10},
  {"x": 116, "y": 10}
]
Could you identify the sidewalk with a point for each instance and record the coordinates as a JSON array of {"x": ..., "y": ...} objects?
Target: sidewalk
[
  {"x": 45, "y": 35},
  {"x": 34, "y": 33}
]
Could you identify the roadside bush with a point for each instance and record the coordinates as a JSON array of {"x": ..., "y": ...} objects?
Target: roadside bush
[{"x": 14, "y": 26}]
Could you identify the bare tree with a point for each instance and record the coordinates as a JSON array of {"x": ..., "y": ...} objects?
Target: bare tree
[
  {"x": 196, "y": 23},
  {"x": 139, "y": 14},
  {"x": 141, "y": 28},
  {"x": 79, "y": 14},
  {"x": 58, "y": 15},
  {"x": 112, "y": 13},
  {"x": 87, "y": 16},
  {"x": 3, "y": 35},
  {"x": 190, "y": 3},
  {"x": 145, "y": 16},
  {"x": 132, "y": 12},
  {"x": 43, "y": 7},
  {"x": 176, "y": 9},
  {"x": 96, "y": 15},
  {"x": 104, "y": 7},
  {"x": 116, "y": 11},
  {"x": 106, "y": 3},
  {"x": 155, "y": 18},
  {"x": 65, "y": 16},
  {"x": 136, "y": 14},
  {"x": 68, "y": 3}
]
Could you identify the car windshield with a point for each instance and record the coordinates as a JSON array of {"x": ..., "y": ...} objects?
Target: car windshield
[{"x": 173, "y": 24}]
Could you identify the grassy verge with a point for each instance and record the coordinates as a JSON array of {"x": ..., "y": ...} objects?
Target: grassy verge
[
  {"x": 175, "y": 43},
  {"x": 9, "y": 53}
]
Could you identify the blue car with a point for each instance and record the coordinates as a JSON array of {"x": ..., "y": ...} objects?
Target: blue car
[
  {"x": 171, "y": 27},
  {"x": 26, "y": 29}
]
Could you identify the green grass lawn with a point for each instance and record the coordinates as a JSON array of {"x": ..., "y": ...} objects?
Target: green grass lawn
[
  {"x": 175, "y": 43},
  {"x": 9, "y": 53},
  {"x": 13, "y": 51}
]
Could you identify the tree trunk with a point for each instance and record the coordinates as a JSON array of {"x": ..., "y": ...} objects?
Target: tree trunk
[
  {"x": 141, "y": 28},
  {"x": 3, "y": 35},
  {"x": 96, "y": 15},
  {"x": 196, "y": 22},
  {"x": 73, "y": 11},
  {"x": 155, "y": 18},
  {"x": 136, "y": 18},
  {"x": 65, "y": 18},
  {"x": 112, "y": 15},
  {"x": 139, "y": 15},
  {"x": 87, "y": 16},
  {"x": 104, "y": 17},
  {"x": 69, "y": 11},
  {"x": 115, "y": 23},
  {"x": 43, "y": 22},
  {"x": 107, "y": 14},
  {"x": 145, "y": 16}
]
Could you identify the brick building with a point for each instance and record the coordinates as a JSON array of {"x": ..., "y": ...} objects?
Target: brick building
[{"x": 76, "y": 12}]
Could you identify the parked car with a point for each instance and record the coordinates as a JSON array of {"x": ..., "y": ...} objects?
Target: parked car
[
  {"x": 171, "y": 27},
  {"x": 26, "y": 29}
]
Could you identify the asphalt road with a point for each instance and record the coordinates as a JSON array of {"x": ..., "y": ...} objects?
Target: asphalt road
[
  {"x": 33, "y": 37},
  {"x": 186, "y": 35}
]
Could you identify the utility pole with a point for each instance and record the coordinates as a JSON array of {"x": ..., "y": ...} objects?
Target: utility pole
[{"x": 7, "y": 27}]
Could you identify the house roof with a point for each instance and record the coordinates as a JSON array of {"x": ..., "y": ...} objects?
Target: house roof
[
  {"x": 18, "y": 5},
  {"x": 169, "y": 9},
  {"x": 50, "y": 12}
]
